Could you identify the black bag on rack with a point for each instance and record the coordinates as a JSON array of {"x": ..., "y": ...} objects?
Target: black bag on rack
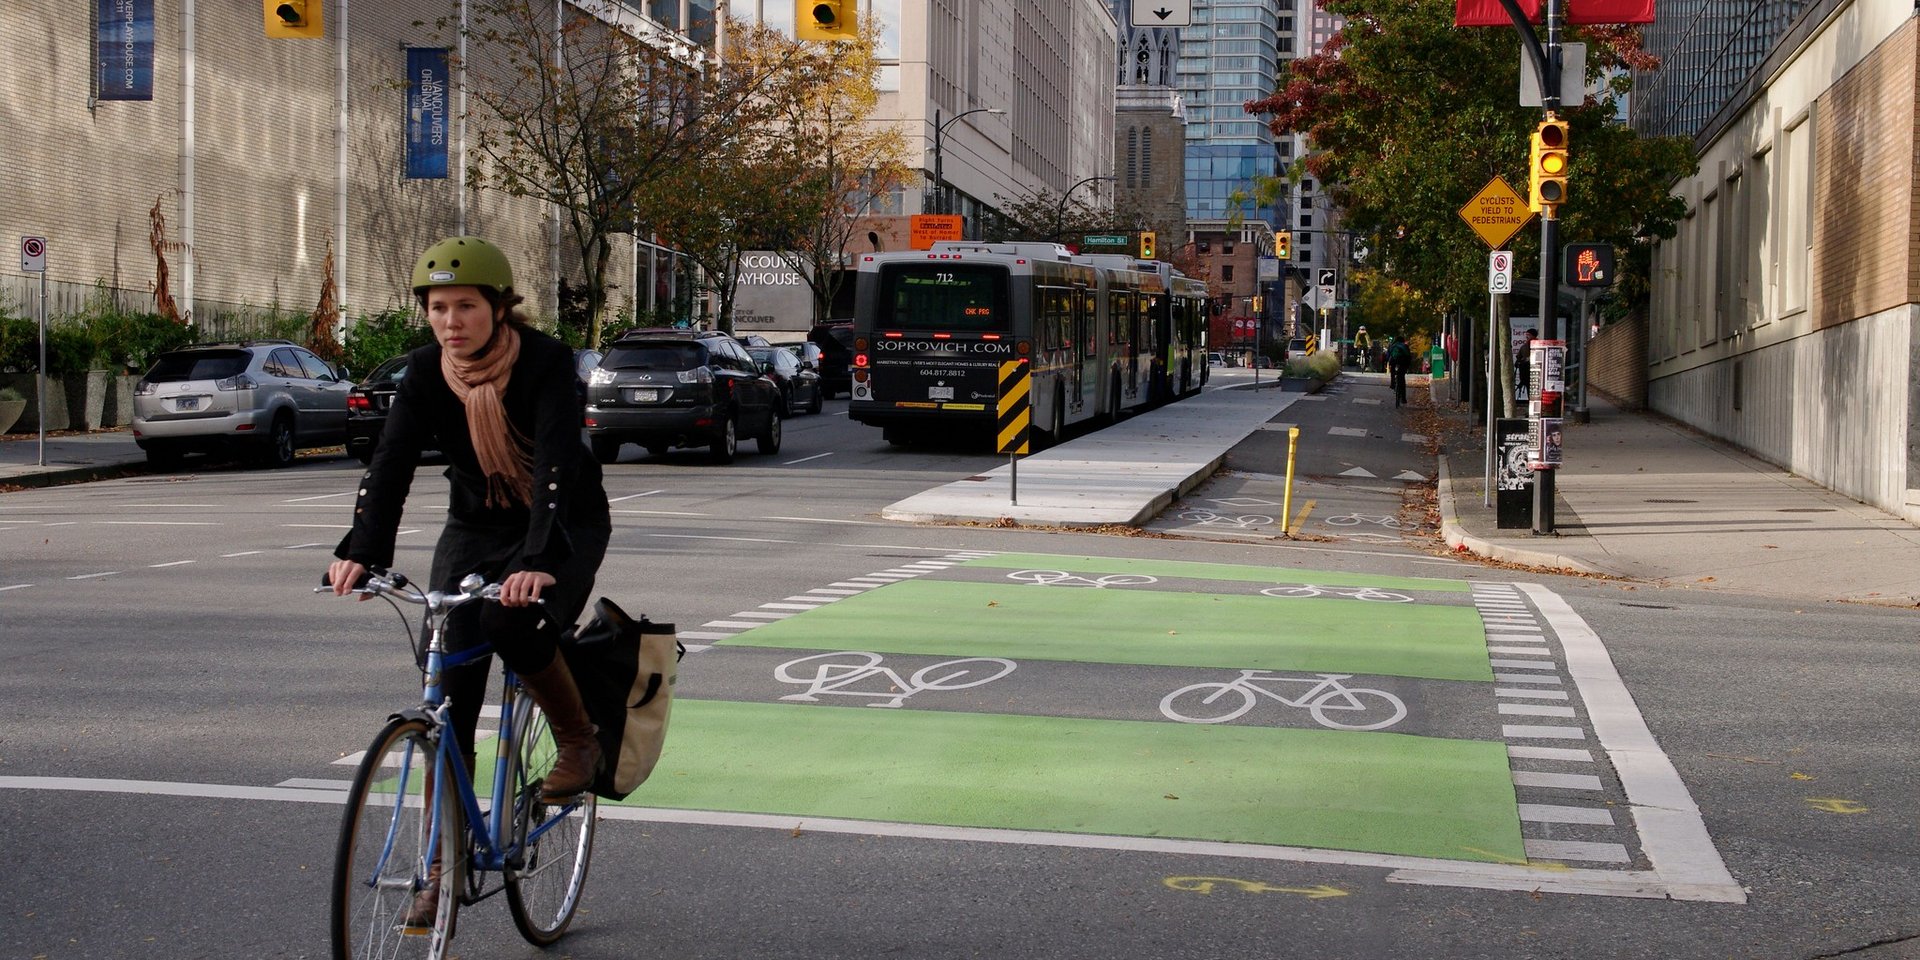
[{"x": 625, "y": 669}]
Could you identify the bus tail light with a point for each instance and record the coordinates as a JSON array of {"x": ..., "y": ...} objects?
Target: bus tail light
[
  {"x": 860, "y": 361},
  {"x": 1023, "y": 348}
]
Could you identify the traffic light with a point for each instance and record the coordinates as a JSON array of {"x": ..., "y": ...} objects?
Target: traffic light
[
  {"x": 825, "y": 19},
  {"x": 1146, "y": 245},
  {"x": 295, "y": 18},
  {"x": 1547, "y": 172},
  {"x": 1283, "y": 245}
]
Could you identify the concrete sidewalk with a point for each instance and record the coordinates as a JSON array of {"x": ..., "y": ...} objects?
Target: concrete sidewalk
[
  {"x": 71, "y": 457},
  {"x": 1642, "y": 497},
  {"x": 1125, "y": 474}
]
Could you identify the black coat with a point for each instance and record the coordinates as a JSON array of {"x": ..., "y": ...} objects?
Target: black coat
[{"x": 542, "y": 403}]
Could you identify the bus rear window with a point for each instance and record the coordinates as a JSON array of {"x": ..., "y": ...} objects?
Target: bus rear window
[{"x": 937, "y": 297}]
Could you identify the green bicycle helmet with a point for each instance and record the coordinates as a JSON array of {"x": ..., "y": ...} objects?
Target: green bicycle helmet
[{"x": 462, "y": 262}]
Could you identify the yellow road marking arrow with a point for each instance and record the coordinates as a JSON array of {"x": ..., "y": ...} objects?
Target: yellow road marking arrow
[{"x": 1205, "y": 886}]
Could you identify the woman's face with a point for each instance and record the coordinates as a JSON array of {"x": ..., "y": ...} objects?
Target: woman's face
[{"x": 462, "y": 320}]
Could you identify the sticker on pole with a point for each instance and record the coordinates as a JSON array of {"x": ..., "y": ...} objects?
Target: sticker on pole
[{"x": 33, "y": 254}]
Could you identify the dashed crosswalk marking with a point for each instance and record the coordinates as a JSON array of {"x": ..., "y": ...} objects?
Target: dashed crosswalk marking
[{"x": 1347, "y": 431}]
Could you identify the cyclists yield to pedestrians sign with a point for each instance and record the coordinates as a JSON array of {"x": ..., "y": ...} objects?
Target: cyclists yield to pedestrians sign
[{"x": 33, "y": 254}]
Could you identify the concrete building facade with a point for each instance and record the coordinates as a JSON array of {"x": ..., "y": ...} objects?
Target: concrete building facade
[{"x": 1786, "y": 313}]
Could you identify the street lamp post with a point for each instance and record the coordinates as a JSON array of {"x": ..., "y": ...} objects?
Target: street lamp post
[
  {"x": 939, "y": 126},
  {"x": 1060, "y": 214}
]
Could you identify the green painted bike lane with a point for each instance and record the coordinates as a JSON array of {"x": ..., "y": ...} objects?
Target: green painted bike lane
[{"x": 1377, "y": 792}]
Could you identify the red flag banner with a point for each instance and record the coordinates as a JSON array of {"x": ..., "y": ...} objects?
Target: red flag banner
[{"x": 1489, "y": 13}]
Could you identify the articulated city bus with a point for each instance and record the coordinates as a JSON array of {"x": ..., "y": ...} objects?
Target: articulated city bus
[{"x": 1101, "y": 337}]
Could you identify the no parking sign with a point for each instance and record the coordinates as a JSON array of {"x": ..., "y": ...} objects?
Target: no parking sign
[{"x": 33, "y": 254}]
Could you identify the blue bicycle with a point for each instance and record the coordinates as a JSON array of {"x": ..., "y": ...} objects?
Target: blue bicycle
[{"x": 406, "y": 833}]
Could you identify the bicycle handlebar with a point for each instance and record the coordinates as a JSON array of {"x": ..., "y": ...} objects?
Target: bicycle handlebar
[{"x": 396, "y": 585}]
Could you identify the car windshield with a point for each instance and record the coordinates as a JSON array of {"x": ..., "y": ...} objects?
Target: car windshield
[
  {"x": 198, "y": 365},
  {"x": 654, "y": 356},
  {"x": 394, "y": 369}
]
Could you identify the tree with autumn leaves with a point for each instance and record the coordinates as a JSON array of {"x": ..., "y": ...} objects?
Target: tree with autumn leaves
[{"x": 1408, "y": 117}]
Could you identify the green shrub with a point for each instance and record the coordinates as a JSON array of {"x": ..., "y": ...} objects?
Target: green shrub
[
  {"x": 8, "y": 394},
  {"x": 70, "y": 348},
  {"x": 1325, "y": 365},
  {"x": 1297, "y": 366},
  {"x": 19, "y": 344},
  {"x": 373, "y": 339}
]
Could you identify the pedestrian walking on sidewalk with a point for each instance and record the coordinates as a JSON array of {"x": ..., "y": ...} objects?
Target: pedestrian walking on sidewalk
[
  {"x": 527, "y": 507},
  {"x": 1399, "y": 359}
]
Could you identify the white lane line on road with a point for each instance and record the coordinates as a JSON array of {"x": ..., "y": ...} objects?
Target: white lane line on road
[
  {"x": 307, "y": 783},
  {"x": 856, "y": 523},
  {"x": 1521, "y": 651},
  {"x": 303, "y": 546},
  {"x": 705, "y": 635},
  {"x": 1525, "y": 664},
  {"x": 816, "y": 456},
  {"x": 766, "y": 614},
  {"x": 1347, "y": 431},
  {"x": 63, "y": 523},
  {"x": 809, "y": 602},
  {"x": 837, "y": 593},
  {"x": 1557, "y": 781},
  {"x": 170, "y": 505},
  {"x": 155, "y": 523},
  {"x": 1576, "y": 850},
  {"x": 635, "y": 496},
  {"x": 319, "y": 526},
  {"x": 90, "y": 576},
  {"x": 323, "y": 496},
  {"x": 243, "y": 553},
  {"x": 1535, "y": 710},
  {"x": 735, "y": 624},
  {"x": 660, "y": 513},
  {"x": 690, "y": 536},
  {"x": 696, "y": 647},
  {"x": 17, "y": 586},
  {"x": 1672, "y": 833},
  {"x": 862, "y": 587},
  {"x": 175, "y": 563},
  {"x": 1568, "y": 754},
  {"x": 1526, "y": 732},
  {"x": 1554, "y": 813}
]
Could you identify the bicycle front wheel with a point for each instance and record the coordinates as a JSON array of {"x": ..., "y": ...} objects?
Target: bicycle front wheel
[
  {"x": 554, "y": 841},
  {"x": 1199, "y": 703},
  {"x": 1354, "y": 708},
  {"x": 389, "y": 842}
]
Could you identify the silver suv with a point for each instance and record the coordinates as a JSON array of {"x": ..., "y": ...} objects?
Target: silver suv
[{"x": 266, "y": 398}]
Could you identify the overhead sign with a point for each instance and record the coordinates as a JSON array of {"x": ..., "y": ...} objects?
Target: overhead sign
[
  {"x": 1108, "y": 240},
  {"x": 1500, "y": 271},
  {"x": 33, "y": 254},
  {"x": 1491, "y": 13},
  {"x": 926, "y": 229},
  {"x": 1496, "y": 213},
  {"x": 1163, "y": 13},
  {"x": 1327, "y": 293}
]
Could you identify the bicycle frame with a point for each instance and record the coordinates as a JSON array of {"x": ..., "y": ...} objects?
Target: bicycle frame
[{"x": 1247, "y": 678}]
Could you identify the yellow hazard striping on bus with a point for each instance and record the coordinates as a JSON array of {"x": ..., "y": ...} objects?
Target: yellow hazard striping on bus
[{"x": 1015, "y": 412}]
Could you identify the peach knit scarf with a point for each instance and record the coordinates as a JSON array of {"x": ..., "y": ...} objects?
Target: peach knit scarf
[{"x": 480, "y": 382}]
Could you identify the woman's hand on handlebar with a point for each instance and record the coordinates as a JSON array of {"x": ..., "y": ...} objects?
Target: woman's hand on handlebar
[
  {"x": 343, "y": 575},
  {"x": 522, "y": 587}
]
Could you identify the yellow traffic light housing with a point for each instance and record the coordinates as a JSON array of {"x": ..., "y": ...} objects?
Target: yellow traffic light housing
[
  {"x": 300, "y": 19},
  {"x": 1146, "y": 245},
  {"x": 1547, "y": 167},
  {"x": 1283, "y": 245},
  {"x": 826, "y": 19}
]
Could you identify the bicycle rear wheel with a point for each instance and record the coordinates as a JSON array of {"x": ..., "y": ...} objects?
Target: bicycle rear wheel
[
  {"x": 545, "y": 881},
  {"x": 388, "y": 842}
]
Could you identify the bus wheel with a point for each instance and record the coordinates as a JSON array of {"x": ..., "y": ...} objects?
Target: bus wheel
[{"x": 898, "y": 436}]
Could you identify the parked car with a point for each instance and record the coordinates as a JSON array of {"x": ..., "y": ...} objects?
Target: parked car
[
  {"x": 667, "y": 388},
  {"x": 1216, "y": 360},
  {"x": 799, "y": 385},
  {"x": 369, "y": 399},
  {"x": 367, "y": 405},
  {"x": 835, "y": 340},
  {"x": 265, "y": 398}
]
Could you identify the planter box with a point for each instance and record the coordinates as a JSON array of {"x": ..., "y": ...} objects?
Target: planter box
[
  {"x": 1300, "y": 384},
  {"x": 118, "y": 411},
  {"x": 10, "y": 411},
  {"x": 86, "y": 399},
  {"x": 28, "y": 385}
]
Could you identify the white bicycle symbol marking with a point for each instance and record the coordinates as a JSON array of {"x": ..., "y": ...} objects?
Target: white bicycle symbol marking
[
  {"x": 833, "y": 673},
  {"x": 1326, "y": 698},
  {"x": 1061, "y": 578},
  {"x": 1207, "y": 518},
  {"x": 1354, "y": 593},
  {"x": 1355, "y": 519}
]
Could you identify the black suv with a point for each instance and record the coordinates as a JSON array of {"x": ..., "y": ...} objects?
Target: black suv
[{"x": 666, "y": 388}]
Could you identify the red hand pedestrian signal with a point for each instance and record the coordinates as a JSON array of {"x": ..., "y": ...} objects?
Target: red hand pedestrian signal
[{"x": 1589, "y": 262}]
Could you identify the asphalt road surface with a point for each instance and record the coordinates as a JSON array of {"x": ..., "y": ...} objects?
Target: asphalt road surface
[{"x": 921, "y": 741}]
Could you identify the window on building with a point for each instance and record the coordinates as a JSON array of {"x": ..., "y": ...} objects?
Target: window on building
[
  {"x": 1306, "y": 219},
  {"x": 1133, "y": 156},
  {"x": 1760, "y": 241},
  {"x": 1796, "y": 180},
  {"x": 1146, "y": 156},
  {"x": 1226, "y": 272}
]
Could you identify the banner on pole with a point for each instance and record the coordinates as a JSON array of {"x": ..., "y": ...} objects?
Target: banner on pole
[
  {"x": 426, "y": 113},
  {"x": 1490, "y": 13},
  {"x": 125, "y": 43}
]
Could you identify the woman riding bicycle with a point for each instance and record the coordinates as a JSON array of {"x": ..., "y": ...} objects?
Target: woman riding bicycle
[{"x": 526, "y": 508}]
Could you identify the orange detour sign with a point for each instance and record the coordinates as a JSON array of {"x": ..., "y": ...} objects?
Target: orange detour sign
[
  {"x": 924, "y": 229},
  {"x": 1496, "y": 213}
]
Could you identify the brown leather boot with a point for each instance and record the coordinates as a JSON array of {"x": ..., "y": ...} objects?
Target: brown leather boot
[
  {"x": 427, "y": 902},
  {"x": 577, "y": 752}
]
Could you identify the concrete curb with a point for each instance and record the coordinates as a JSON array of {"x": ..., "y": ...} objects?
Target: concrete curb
[
  {"x": 1458, "y": 538},
  {"x": 58, "y": 477}
]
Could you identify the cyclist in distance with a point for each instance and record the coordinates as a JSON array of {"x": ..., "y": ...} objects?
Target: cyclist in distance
[{"x": 526, "y": 507}]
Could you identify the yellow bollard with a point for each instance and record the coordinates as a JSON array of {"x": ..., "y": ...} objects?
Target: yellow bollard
[{"x": 1286, "y": 501}]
